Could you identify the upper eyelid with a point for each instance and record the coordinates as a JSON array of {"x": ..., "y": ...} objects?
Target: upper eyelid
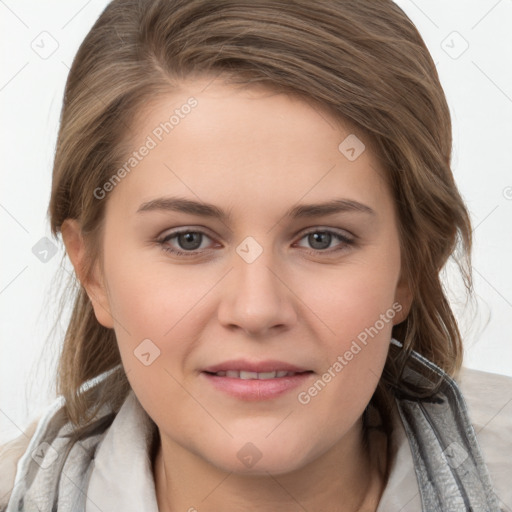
[{"x": 179, "y": 231}]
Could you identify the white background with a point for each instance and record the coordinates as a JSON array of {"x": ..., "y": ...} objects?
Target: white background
[{"x": 478, "y": 84}]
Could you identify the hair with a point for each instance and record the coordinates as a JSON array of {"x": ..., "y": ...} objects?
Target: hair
[{"x": 364, "y": 61}]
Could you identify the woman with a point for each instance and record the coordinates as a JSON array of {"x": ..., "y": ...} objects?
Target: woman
[{"x": 257, "y": 200}]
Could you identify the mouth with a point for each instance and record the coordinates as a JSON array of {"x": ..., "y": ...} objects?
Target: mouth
[
  {"x": 247, "y": 375},
  {"x": 256, "y": 381}
]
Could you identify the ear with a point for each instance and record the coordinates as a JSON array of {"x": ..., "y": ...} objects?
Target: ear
[
  {"x": 94, "y": 284},
  {"x": 403, "y": 297}
]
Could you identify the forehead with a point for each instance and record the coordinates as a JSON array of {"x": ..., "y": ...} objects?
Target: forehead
[{"x": 225, "y": 143}]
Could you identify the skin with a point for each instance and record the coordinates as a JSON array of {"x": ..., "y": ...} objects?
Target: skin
[{"x": 254, "y": 153}]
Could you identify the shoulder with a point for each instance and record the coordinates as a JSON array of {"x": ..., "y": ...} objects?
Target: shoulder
[
  {"x": 489, "y": 400},
  {"x": 488, "y": 397},
  {"x": 10, "y": 453},
  {"x": 16, "y": 450}
]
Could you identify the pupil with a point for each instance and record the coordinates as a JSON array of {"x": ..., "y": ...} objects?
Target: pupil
[
  {"x": 315, "y": 238},
  {"x": 189, "y": 240}
]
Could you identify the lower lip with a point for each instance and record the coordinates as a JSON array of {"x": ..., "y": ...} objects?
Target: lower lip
[{"x": 257, "y": 389}]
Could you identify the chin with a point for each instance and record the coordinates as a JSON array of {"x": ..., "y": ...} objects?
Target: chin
[{"x": 261, "y": 457}]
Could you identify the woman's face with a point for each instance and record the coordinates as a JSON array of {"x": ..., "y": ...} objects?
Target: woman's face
[{"x": 264, "y": 282}]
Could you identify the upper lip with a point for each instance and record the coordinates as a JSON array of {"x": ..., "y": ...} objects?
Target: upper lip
[{"x": 254, "y": 366}]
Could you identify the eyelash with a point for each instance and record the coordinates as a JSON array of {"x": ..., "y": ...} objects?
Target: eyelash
[{"x": 346, "y": 241}]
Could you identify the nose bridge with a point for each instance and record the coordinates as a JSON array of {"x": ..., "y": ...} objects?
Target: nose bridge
[
  {"x": 253, "y": 268},
  {"x": 258, "y": 299}
]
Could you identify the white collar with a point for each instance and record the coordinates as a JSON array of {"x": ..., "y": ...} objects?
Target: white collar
[
  {"x": 122, "y": 477},
  {"x": 402, "y": 490}
]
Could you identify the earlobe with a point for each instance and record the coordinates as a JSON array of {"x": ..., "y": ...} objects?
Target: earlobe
[
  {"x": 93, "y": 283},
  {"x": 403, "y": 301}
]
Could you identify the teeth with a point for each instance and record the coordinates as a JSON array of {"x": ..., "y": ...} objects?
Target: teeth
[
  {"x": 248, "y": 375},
  {"x": 267, "y": 375},
  {"x": 235, "y": 374}
]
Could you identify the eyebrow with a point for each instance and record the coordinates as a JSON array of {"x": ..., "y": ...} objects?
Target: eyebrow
[{"x": 202, "y": 209}]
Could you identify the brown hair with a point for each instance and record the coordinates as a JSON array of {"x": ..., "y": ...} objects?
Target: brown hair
[{"x": 363, "y": 60}]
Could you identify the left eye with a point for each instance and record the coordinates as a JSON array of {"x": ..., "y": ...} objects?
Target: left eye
[
  {"x": 319, "y": 238},
  {"x": 190, "y": 242}
]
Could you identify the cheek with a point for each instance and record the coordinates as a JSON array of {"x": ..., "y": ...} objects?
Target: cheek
[
  {"x": 357, "y": 309},
  {"x": 159, "y": 315},
  {"x": 355, "y": 357},
  {"x": 352, "y": 299},
  {"x": 360, "y": 323},
  {"x": 151, "y": 308},
  {"x": 150, "y": 297}
]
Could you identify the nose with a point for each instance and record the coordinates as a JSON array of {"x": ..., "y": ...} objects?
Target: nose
[{"x": 256, "y": 297}]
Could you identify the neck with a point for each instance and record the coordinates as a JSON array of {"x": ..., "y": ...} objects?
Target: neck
[{"x": 345, "y": 479}]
